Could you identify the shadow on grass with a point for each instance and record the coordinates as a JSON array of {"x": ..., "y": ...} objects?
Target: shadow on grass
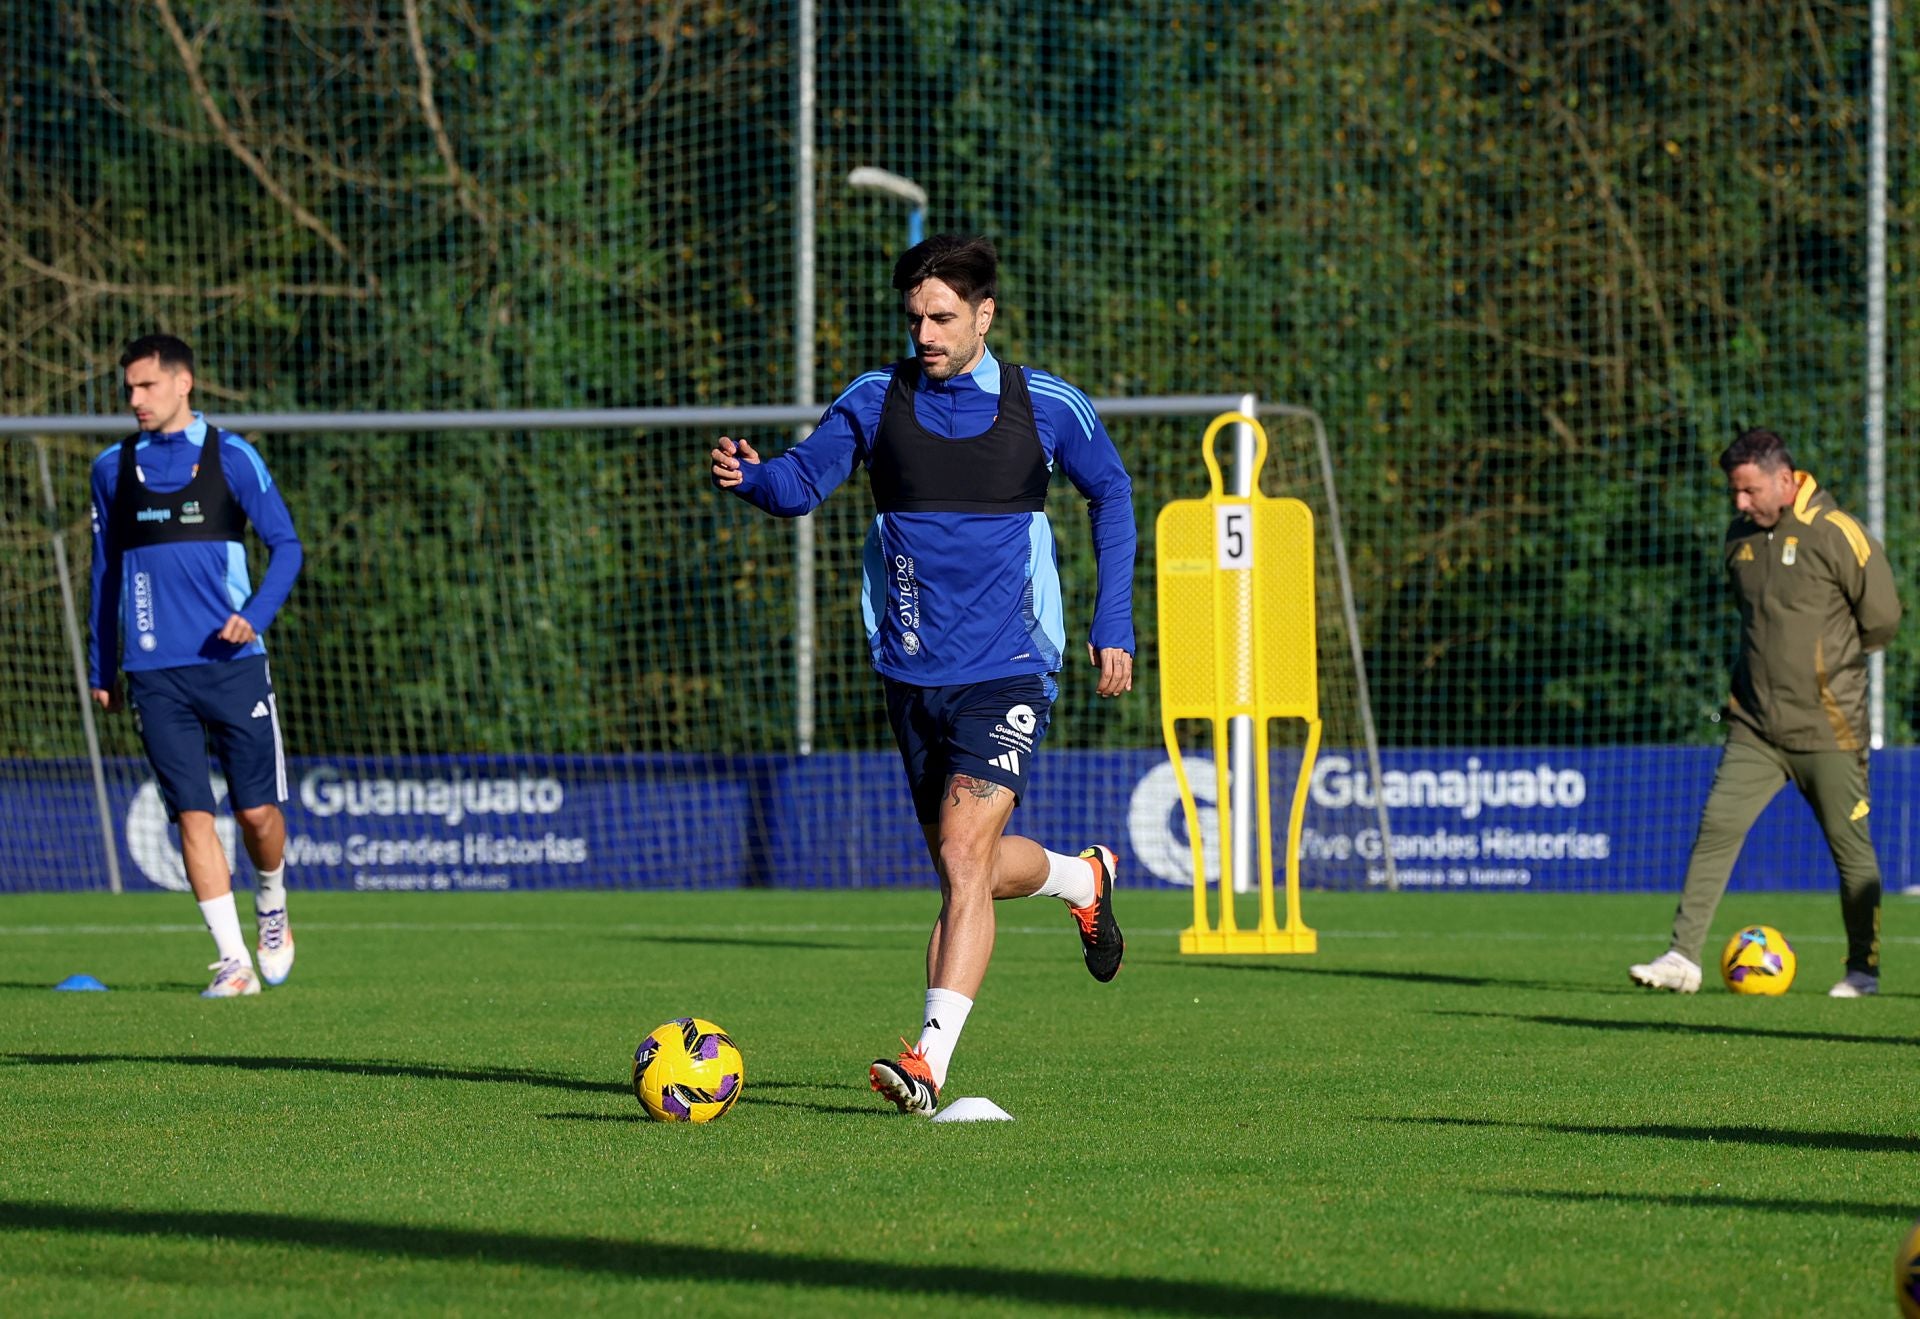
[
  {"x": 341, "y": 1066},
  {"x": 757, "y": 1095},
  {"x": 1895, "y": 1213},
  {"x": 748, "y": 1099},
  {"x": 1702, "y": 1028},
  {"x": 735, "y": 941},
  {"x": 1418, "y": 977},
  {"x": 1857, "y": 1142},
  {"x": 650, "y": 1261}
]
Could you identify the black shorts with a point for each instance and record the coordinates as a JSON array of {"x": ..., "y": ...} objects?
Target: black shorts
[
  {"x": 229, "y": 705},
  {"x": 988, "y": 730}
]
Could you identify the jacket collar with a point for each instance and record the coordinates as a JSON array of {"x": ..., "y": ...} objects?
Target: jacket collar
[{"x": 1803, "y": 511}]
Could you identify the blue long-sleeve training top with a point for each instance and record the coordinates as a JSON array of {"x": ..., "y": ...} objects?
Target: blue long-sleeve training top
[
  {"x": 170, "y": 601},
  {"x": 967, "y": 597}
]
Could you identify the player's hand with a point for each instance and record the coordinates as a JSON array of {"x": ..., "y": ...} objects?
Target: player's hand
[
  {"x": 108, "y": 699},
  {"x": 727, "y": 457},
  {"x": 1116, "y": 670},
  {"x": 238, "y": 631}
]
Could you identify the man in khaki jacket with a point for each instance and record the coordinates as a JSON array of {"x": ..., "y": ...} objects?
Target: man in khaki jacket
[{"x": 1816, "y": 596}]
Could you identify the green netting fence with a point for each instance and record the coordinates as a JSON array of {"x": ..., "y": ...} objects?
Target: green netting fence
[{"x": 1534, "y": 264}]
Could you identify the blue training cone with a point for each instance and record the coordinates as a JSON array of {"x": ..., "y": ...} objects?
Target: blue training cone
[{"x": 81, "y": 982}]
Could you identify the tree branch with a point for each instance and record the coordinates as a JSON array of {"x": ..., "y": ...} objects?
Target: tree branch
[
  {"x": 196, "y": 78},
  {"x": 464, "y": 188}
]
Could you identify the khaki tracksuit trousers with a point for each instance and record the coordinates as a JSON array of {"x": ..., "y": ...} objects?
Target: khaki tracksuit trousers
[{"x": 1835, "y": 785}]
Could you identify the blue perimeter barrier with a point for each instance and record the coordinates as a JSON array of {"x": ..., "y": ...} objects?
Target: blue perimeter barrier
[{"x": 1613, "y": 819}]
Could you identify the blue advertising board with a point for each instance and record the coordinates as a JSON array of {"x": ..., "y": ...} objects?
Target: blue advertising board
[{"x": 1608, "y": 819}]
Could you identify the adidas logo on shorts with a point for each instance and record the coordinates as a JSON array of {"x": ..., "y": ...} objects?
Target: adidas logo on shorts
[
  {"x": 1009, "y": 761},
  {"x": 260, "y": 710}
]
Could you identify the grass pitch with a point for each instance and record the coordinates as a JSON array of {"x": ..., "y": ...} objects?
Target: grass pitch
[{"x": 1459, "y": 1106}]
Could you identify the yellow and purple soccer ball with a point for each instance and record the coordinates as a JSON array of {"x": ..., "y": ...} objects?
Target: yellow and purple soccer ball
[
  {"x": 688, "y": 1070},
  {"x": 1758, "y": 960},
  {"x": 1906, "y": 1274}
]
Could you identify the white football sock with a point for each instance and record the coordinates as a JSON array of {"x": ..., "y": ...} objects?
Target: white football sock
[
  {"x": 272, "y": 893},
  {"x": 223, "y": 923},
  {"x": 946, "y": 1017},
  {"x": 1069, "y": 878}
]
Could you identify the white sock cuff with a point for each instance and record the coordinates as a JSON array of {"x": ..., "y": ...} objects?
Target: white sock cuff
[
  {"x": 223, "y": 923},
  {"x": 948, "y": 1000},
  {"x": 946, "y": 1017},
  {"x": 1069, "y": 878}
]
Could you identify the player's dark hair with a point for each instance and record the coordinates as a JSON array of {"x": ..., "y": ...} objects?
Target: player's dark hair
[
  {"x": 970, "y": 266},
  {"x": 1758, "y": 446},
  {"x": 173, "y": 353}
]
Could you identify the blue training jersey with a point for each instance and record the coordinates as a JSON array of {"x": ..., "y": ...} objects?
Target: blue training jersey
[
  {"x": 170, "y": 601},
  {"x": 968, "y": 597}
]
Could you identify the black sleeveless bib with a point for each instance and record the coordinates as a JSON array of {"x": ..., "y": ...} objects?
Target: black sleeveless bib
[
  {"x": 1001, "y": 470},
  {"x": 202, "y": 509}
]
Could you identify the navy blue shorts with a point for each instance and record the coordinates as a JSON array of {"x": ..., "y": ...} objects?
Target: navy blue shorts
[
  {"x": 989, "y": 730},
  {"x": 227, "y": 707}
]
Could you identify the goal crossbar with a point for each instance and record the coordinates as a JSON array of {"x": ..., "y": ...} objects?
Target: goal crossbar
[{"x": 787, "y": 414}]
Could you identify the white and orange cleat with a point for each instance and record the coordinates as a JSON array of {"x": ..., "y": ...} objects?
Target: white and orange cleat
[
  {"x": 908, "y": 1082},
  {"x": 233, "y": 978},
  {"x": 276, "y": 946}
]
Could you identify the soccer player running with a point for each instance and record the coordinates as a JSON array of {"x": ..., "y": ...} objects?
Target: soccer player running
[
  {"x": 963, "y": 610},
  {"x": 1816, "y": 596},
  {"x": 170, "y": 505}
]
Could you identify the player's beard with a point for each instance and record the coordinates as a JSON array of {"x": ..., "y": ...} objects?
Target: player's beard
[{"x": 956, "y": 361}]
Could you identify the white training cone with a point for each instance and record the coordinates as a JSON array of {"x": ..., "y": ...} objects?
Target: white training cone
[{"x": 973, "y": 1110}]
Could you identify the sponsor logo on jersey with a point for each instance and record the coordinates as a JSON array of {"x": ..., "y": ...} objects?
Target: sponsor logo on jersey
[
  {"x": 154, "y": 515},
  {"x": 190, "y": 512},
  {"x": 1009, "y": 761},
  {"x": 906, "y": 585},
  {"x": 912, "y": 643},
  {"x": 1745, "y": 555},
  {"x": 143, "y": 609},
  {"x": 260, "y": 711}
]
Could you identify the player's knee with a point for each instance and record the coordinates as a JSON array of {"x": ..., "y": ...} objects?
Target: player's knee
[
  {"x": 196, "y": 826},
  {"x": 254, "y": 819},
  {"x": 965, "y": 866}
]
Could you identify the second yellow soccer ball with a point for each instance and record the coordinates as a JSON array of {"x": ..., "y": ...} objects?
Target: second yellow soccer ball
[{"x": 1758, "y": 960}]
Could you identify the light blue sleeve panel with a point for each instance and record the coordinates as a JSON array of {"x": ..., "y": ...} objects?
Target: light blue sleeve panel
[
  {"x": 1046, "y": 609},
  {"x": 103, "y": 641},
  {"x": 253, "y": 486},
  {"x": 1078, "y": 445}
]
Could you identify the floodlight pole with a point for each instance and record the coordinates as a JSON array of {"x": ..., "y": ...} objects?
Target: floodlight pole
[
  {"x": 806, "y": 100},
  {"x": 869, "y": 178},
  {"x": 1876, "y": 347}
]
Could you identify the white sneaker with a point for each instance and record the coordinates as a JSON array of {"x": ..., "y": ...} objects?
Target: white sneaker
[
  {"x": 276, "y": 945},
  {"x": 232, "y": 978},
  {"x": 1668, "y": 971},
  {"x": 1858, "y": 984}
]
